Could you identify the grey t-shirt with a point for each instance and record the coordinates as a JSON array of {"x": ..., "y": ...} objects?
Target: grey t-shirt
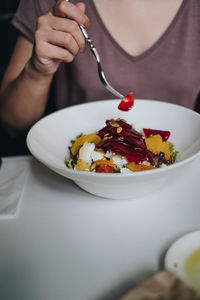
[{"x": 168, "y": 71}]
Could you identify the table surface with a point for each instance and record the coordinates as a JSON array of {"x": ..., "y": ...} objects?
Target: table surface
[{"x": 64, "y": 243}]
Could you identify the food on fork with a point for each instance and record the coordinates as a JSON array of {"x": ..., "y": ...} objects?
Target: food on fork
[
  {"x": 127, "y": 102},
  {"x": 119, "y": 148}
]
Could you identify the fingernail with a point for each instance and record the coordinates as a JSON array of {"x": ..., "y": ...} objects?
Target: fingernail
[{"x": 87, "y": 23}]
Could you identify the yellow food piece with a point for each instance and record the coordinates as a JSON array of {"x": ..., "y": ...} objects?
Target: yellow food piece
[
  {"x": 136, "y": 168},
  {"x": 156, "y": 145},
  {"x": 89, "y": 138},
  {"x": 165, "y": 150},
  {"x": 192, "y": 269},
  {"x": 82, "y": 165},
  {"x": 99, "y": 150},
  {"x": 101, "y": 162},
  {"x": 104, "y": 162}
]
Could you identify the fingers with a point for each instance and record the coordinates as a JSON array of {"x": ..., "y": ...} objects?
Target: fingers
[
  {"x": 74, "y": 12},
  {"x": 58, "y": 36},
  {"x": 82, "y": 6},
  {"x": 55, "y": 53},
  {"x": 65, "y": 40},
  {"x": 60, "y": 32},
  {"x": 69, "y": 27},
  {"x": 57, "y": 45}
]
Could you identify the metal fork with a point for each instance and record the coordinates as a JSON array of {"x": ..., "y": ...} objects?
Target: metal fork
[{"x": 97, "y": 56}]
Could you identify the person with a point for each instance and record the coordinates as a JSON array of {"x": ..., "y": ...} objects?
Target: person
[{"x": 149, "y": 47}]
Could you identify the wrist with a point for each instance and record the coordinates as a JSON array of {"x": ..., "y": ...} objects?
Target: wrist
[{"x": 33, "y": 69}]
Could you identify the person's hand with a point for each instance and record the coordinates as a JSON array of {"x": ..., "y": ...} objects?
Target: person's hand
[{"x": 58, "y": 36}]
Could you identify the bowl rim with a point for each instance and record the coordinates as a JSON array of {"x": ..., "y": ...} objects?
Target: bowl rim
[{"x": 112, "y": 175}]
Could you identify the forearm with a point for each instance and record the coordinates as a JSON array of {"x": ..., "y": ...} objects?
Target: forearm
[
  {"x": 23, "y": 101},
  {"x": 58, "y": 38}
]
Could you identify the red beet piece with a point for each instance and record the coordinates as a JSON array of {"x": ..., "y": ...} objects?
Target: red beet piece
[{"x": 163, "y": 133}]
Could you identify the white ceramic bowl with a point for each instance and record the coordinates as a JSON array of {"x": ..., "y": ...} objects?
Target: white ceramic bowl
[
  {"x": 183, "y": 259},
  {"x": 49, "y": 138}
]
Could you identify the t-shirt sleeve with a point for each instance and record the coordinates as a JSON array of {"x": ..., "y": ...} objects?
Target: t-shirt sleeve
[{"x": 25, "y": 18}]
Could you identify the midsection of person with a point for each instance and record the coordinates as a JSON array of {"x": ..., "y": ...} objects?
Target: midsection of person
[{"x": 137, "y": 24}]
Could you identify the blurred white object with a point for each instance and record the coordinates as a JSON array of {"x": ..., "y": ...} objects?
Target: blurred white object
[
  {"x": 13, "y": 174},
  {"x": 85, "y": 152},
  {"x": 96, "y": 155},
  {"x": 66, "y": 124},
  {"x": 119, "y": 160}
]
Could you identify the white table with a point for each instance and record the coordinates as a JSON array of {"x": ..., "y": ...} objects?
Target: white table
[{"x": 66, "y": 244}]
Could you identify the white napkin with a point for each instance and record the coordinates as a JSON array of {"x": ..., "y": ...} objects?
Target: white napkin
[{"x": 13, "y": 174}]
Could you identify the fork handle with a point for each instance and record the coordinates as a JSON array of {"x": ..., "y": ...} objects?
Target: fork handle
[
  {"x": 101, "y": 73},
  {"x": 96, "y": 54},
  {"x": 88, "y": 40}
]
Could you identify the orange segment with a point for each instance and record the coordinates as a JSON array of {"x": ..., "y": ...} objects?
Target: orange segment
[
  {"x": 89, "y": 138},
  {"x": 104, "y": 162},
  {"x": 101, "y": 162},
  {"x": 156, "y": 145},
  {"x": 137, "y": 168},
  {"x": 165, "y": 149}
]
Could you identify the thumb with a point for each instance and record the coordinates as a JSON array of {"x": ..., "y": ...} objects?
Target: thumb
[{"x": 81, "y": 6}]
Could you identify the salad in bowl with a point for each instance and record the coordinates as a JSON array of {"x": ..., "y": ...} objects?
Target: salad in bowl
[
  {"x": 141, "y": 159},
  {"x": 119, "y": 148}
]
